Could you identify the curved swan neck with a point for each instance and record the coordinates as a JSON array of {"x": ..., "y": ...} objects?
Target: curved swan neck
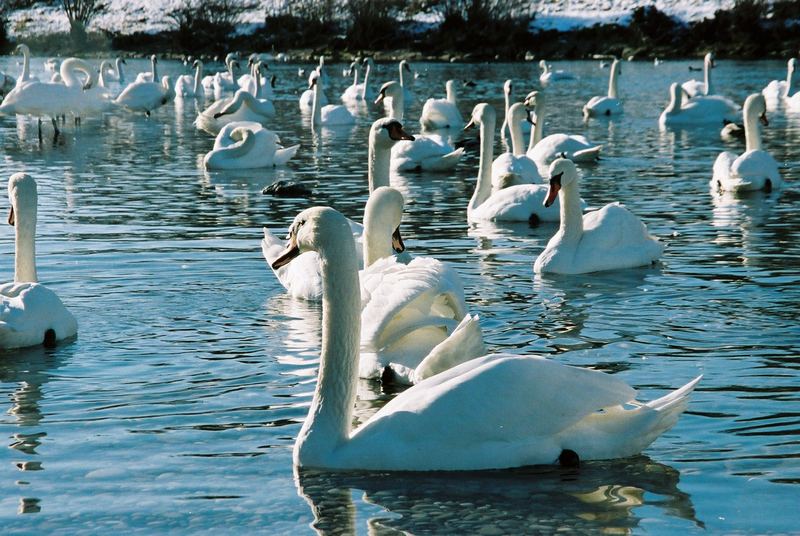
[
  {"x": 330, "y": 415},
  {"x": 612, "y": 80},
  {"x": 26, "y": 64},
  {"x": 242, "y": 147},
  {"x": 538, "y": 123},
  {"x": 380, "y": 159},
  {"x": 752, "y": 130},
  {"x": 675, "y": 100},
  {"x": 707, "y": 75},
  {"x": 571, "y": 226},
  {"x": 104, "y": 68},
  {"x": 483, "y": 188},
  {"x": 366, "y": 81},
  {"x": 120, "y": 75}
]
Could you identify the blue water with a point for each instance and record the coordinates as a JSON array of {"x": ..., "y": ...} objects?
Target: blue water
[{"x": 177, "y": 406}]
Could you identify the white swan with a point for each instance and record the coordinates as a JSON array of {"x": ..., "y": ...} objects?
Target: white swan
[
  {"x": 548, "y": 75},
  {"x": 356, "y": 92},
  {"x": 699, "y": 111},
  {"x": 208, "y": 80},
  {"x": 117, "y": 74},
  {"x": 695, "y": 87},
  {"x": 544, "y": 150},
  {"x": 25, "y": 76},
  {"x": 151, "y": 76},
  {"x": 778, "y": 90},
  {"x": 610, "y": 104},
  {"x": 755, "y": 169},
  {"x": 244, "y": 145},
  {"x": 329, "y": 115},
  {"x": 30, "y": 313},
  {"x": 405, "y": 70},
  {"x": 303, "y": 279},
  {"x": 611, "y": 238},
  {"x": 524, "y": 124},
  {"x": 146, "y": 96},
  {"x": 413, "y": 320},
  {"x": 225, "y": 82},
  {"x": 492, "y": 412},
  {"x": 188, "y": 86},
  {"x": 515, "y": 167},
  {"x": 426, "y": 152},
  {"x": 523, "y": 202},
  {"x": 306, "y": 101},
  {"x": 243, "y": 106},
  {"x": 442, "y": 113}
]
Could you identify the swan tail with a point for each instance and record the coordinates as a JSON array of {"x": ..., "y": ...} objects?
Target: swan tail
[
  {"x": 587, "y": 155},
  {"x": 284, "y": 155},
  {"x": 443, "y": 163},
  {"x": 465, "y": 343}
]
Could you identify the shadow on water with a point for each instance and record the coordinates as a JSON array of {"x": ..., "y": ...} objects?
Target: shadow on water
[{"x": 598, "y": 497}]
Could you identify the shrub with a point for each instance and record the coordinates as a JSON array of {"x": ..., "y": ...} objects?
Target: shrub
[
  {"x": 80, "y": 13},
  {"x": 207, "y": 24},
  {"x": 373, "y": 24}
]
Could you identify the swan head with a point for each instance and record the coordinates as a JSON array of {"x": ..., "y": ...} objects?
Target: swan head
[
  {"x": 367, "y": 61},
  {"x": 405, "y": 66},
  {"x": 562, "y": 173},
  {"x": 389, "y": 90},
  {"x": 756, "y": 105},
  {"x": 517, "y": 112},
  {"x": 314, "y": 229},
  {"x": 542, "y": 64},
  {"x": 387, "y": 131},
  {"x": 708, "y": 59},
  {"x": 482, "y": 113},
  {"x": 532, "y": 99},
  {"x": 23, "y": 197},
  {"x": 22, "y": 49},
  {"x": 507, "y": 86},
  {"x": 792, "y": 65},
  {"x": 384, "y": 212}
]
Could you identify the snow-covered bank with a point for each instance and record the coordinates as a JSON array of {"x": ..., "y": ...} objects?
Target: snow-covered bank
[{"x": 131, "y": 16}]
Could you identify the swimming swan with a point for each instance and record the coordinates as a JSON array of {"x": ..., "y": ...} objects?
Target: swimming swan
[
  {"x": 356, "y": 93},
  {"x": 755, "y": 169},
  {"x": 515, "y": 167},
  {"x": 427, "y": 152},
  {"x": 245, "y": 145},
  {"x": 694, "y": 87},
  {"x": 524, "y": 124},
  {"x": 611, "y": 238},
  {"x": 303, "y": 278},
  {"x": 330, "y": 115},
  {"x": 442, "y": 113},
  {"x": 778, "y": 90},
  {"x": 243, "y": 106},
  {"x": 146, "y": 96},
  {"x": 492, "y": 412},
  {"x": 699, "y": 111},
  {"x": 548, "y": 75},
  {"x": 523, "y": 202},
  {"x": 544, "y": 150},
  {"x": 610, "y": 104},
  {"x": 30, "y": 313},
  {"x": 188, "y": 86}
]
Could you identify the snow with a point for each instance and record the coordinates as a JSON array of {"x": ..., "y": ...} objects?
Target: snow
[{"x": 130, "y": 16}]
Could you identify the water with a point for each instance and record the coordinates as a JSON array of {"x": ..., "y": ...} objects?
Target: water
[{"x": 177, "y": 406}]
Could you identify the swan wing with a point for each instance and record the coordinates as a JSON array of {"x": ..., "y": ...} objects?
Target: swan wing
[
  {"x": 335, "y": 114},
  {"x": 613, "y": 237},
  {"x": 752, "y": 169},
  {"x": 28, "y": 311},
  {"x": 440, "y": 113},
  {"x": 428, "y": 152},
  {"x": 283, "y": 155}
]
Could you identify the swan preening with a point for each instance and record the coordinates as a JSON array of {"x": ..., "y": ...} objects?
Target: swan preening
[
  {"x": 607, "y": 239},
  {"x": 610, "y": 104},
  {"x": 755, "y": 169},
  {"x": 427, "y": 152},
  {"x": 491, "y": 412},
  {"x": 442, "y": 113},
  {"x": 698, "y": 111},
  {"x": 245, "y": 145},
  {"x": 30, "y": 313},
  {"x": 515, "y": 167}
]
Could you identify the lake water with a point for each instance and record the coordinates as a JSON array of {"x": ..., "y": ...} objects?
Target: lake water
[{"x": 177, "y": 406}]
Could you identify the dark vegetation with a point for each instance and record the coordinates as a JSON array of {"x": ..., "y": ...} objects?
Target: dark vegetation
[{"x": 467, "y": 29}]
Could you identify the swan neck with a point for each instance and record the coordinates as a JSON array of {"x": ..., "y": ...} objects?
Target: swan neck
[
  {"x": 402, "y": 77},
  {"x": 155, "y": 71},
  {"x": 198, "y": 77},
  {"x": 789, "y": 82},
  {"x": 25, "y": 246},
  {"x": 571, "y": 226},
  {"x": 612, "y": 82},
  {"x": 26, "y": 65},
  {"x": 243, "y": 147},
  {"x": 538, "y": 125},
  {"x": 380, "y": 159},
  {"x": 707, "y": 77},
  {"x": 752, "y": 130},
  {"x": 398, "y": 105},
  {"x": 366, "y": 81},
  {"x": 120, "y": 75},
  {"x": 675, "y": 101},
  {"x": 377, "y": 241},
  {"x": 483, "y": 188},
  {"x": 451, "y": 94},
  {"x": 517, "y": 140},
  {"x": 330, "y": 415},
  {"x": 316, "y": 111}
]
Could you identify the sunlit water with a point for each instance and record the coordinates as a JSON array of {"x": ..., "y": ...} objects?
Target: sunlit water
[{"x": 177, "y": 406}]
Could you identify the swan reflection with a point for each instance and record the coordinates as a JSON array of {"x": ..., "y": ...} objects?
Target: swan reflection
[{"x": 598, "y": 497}]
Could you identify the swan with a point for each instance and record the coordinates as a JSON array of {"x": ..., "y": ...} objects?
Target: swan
[
  {"x": 208, "y": 80},
  {"x": 303, "y": 279},
  {"x": 777, "y": 90},
  {"x": 544, "y": 150},
  {"x": 413, "y": 320},
  {"x": 307, "y": 97},
  {"x": 695, "y": 87},
  {"x": 698, "y": 111},
  {"x": 187, "y": 86},
  {"x": 330, "y": 115},
  {"x": 25, "y": 76},
  {"x": 225, "y": 82},
  {"x": 515, "y": 167},
  {"x": 524, "y": 124},
  {"x": 523, "y": 202},
  {"x": 442, "y": 113},
  {"x": 146, "y": 96},
  {"x": 610, "y": 104},
  {"x": 243, "y": 106},
  {"x": 755, "y": 169},
  {"x": 151, "y": 76},
  {"x": 427, "y": 152},
  {"x": 30, "y": 313},
  {"x": 404, "y": 68},
  {"x": 356, "y": 92},
  {"x": 492, "y": 412},
  {"x": 254, "y": 82},
  {"x": 244, "y": 145},
  {"x": 548, "y": 75},
  {"x": 611, "y": 238},
  {"x": 118, "y": 74}
]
